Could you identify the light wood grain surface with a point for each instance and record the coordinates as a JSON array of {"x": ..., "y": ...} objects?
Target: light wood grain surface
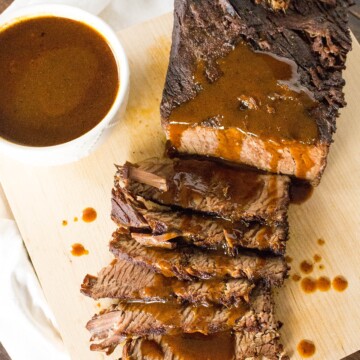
[{"x": 42, "y": 197}]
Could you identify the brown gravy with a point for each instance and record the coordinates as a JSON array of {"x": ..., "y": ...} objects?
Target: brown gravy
[
  {"x": 152, "y": 350},
  {"x": 339, "y": 283},
  {"x": 58, "y": 79},
  {"x": 306, "y": 267},
  {"x": 308, "y": 285},
  {"x": 78, "y": 250},
  {"x": 256, "y": 94},
  {"x": 323, "y": 283},
  {"x": 196, "y": 346},
  {"x": 306, "y": 348},
  {"x": 300, "y": 192},
  {"x": 89, "y": 215}
]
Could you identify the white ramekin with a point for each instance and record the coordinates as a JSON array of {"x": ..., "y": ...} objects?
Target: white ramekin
[{"x": 82, "y": 146}]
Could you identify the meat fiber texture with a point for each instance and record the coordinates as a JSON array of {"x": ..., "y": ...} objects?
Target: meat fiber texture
[
  {"x": 159, "y": 226},
  {"x": 312, "y": 33},
  {"x": 127, "y": 281},
  {"x": 208, "y": 187},
  {"x": 189, "y": 263},
  {"x": 171, "y": 318}
]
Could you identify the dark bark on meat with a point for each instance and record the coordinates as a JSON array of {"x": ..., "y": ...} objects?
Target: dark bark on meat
[
  {"x": 313, "y": 34},
  {"x": 310, "y": 32}
]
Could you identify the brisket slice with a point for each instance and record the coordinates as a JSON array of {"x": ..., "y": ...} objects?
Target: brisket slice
[
  {"x": 312, "y": 34},
  {"x": 221, "y": 346},
  {"x": 152, "y": 225},
  {"x": 142, "y": 319},
  {"x": 127, "y": 281},
  {"x": 193, "y": 263},
  {"x": 209, "y": 187}
]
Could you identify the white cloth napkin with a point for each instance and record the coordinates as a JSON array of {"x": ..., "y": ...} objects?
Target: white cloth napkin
[{"x": 27, "y": 327}]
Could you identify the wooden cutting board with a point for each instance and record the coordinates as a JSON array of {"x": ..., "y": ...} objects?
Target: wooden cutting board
[{"x": 41, "y": 198}]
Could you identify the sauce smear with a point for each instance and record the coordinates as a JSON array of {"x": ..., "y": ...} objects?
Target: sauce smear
[
  {"x": 339, "y": 283},
  {"x": 89, "y": 215},
  {"x": 78, "y": 250},
  {"x": 321, "y": 242},
  {"x": 64, "y": 222},
  {"x": 306, "y": 348}
]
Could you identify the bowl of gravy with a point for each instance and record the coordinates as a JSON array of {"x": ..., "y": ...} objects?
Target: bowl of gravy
[{"x": 64, "y": 83}]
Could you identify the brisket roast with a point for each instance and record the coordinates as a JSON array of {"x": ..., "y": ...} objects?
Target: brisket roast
[
  {"x": 220, "y": 346},
  {"x": 208, "y": 187},
  {"x": 159, "y": 226},
  {"x": 250, "y": 84},
  {"x": 142, "y": 319},
  {"x": 130, "y": 282},
  {"x": 188, "y": 263}
]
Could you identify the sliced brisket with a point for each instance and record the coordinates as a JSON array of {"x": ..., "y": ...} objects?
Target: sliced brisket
[
  {"x": 310, "y": 38},
  {"x": 221, "y": 346},
  {"x": 152, "y": 225},
  {"x": 208, "y": 187},
  {"x": 142, "y": 319},
  {"x": 127, "y": 281},
  {"x": 188, "y": 263}
]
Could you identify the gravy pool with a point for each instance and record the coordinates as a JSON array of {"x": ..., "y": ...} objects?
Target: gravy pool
[{"x": 58, "y": 80}]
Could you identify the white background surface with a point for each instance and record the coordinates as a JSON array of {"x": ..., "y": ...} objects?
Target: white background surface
[{"x": 27, "y": 327}]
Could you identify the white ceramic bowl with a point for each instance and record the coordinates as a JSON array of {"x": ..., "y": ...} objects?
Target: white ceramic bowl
[{"x": 82, "y": 146}]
